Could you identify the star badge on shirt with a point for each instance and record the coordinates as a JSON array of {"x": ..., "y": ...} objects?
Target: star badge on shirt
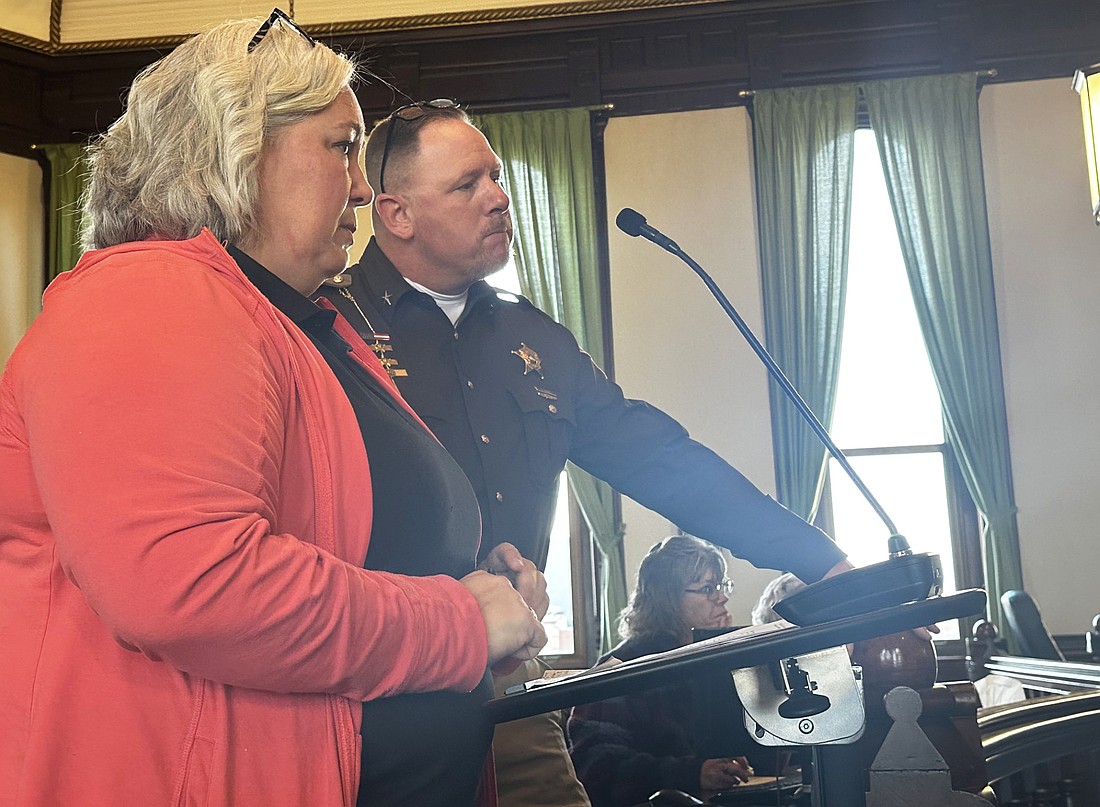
[{"x": 531, "y": 361}]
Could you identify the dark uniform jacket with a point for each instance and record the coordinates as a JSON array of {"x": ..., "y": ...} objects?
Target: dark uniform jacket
[{"x": 511, "y": 395}]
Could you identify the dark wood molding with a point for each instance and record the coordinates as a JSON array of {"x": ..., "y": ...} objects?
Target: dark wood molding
[{"x": 643, "y": 56}]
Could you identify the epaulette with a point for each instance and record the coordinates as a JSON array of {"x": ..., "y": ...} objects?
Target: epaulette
[{"x": 341, "y": 281}]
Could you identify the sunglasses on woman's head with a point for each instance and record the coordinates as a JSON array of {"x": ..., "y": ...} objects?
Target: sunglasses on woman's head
[{"x": 278, "y": 15}]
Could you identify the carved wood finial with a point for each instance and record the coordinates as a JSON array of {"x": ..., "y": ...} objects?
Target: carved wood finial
[{"x": 908, "y": 769}]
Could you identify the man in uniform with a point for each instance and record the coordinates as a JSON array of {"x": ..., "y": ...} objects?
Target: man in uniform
[{"x": 509, "y": 392}]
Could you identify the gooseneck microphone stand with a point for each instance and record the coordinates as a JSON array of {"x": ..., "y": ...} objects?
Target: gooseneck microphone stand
[{"x": 905, "y": 576}]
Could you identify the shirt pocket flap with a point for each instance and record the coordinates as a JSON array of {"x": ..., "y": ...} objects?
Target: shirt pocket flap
[{"x": 533, "y": 399}]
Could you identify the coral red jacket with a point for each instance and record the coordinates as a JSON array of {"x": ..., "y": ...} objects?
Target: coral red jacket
[{"x": 184, "y": 619}]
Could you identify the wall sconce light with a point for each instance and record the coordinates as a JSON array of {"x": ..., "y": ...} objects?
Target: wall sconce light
[{"x": 1087, "y": 83}]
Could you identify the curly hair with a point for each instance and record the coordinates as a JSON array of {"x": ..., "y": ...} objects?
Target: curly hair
[
  {"x": 185, "y": 153},
  {"x": 670, "y": 566},
  {"x": 776, "y": 590}
]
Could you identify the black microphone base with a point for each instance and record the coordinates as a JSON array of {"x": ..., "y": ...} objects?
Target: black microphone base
[{"x": 908, "y": 578}]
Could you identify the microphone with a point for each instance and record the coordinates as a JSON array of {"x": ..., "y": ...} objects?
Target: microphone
[
  {"x": 905, "y": 576},
  {"x": 632, "y": 223}
]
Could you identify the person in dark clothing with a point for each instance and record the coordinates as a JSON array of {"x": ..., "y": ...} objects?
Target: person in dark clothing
[
  {"x": 505, "y": 388},
  {"x": 508, "y": 391},
  {"x": 626, "y": 748}
]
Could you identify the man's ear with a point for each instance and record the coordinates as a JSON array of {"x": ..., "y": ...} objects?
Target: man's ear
[{"x": 393, "y": 213}]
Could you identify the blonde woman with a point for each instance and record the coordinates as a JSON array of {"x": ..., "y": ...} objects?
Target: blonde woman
[{"x": 186, "y": 506}]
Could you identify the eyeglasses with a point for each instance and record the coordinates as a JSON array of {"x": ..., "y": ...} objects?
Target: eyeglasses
[
  {"x": 711, "y": 592},
  {"x": 277, "y": 15},
  {"x": 408, "y": 113}
]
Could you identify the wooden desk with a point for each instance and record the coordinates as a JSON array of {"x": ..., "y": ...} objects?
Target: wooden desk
[
  {"x": 1050, "y": 740},
  {"x": 725, "y": 653}
]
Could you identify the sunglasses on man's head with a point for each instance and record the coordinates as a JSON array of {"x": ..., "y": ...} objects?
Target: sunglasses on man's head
[
  {"x": 277, "y": 15},
  {"x": 409, "y": 114}
]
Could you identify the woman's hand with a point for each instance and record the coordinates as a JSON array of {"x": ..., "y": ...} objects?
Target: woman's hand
[
  {"x": 724, "y": 773},
  {"x": 505, "y": 559},
  {"x": 513, "y": 628}
]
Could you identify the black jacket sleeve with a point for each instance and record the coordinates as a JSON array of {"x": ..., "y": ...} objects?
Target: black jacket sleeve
[{"x": 647, "y": 455}]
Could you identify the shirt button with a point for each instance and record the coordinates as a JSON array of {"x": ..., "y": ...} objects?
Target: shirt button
[
  {"x": 500, "y": 496},
  {"x": 485, "y": 438},
  {"x": 456, "y": 336},
  {"x": 469, "y": 383},
  {"x": 553, "y": 409}
]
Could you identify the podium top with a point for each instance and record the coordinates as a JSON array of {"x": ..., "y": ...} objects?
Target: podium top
[{"x": 725, "y": 653}]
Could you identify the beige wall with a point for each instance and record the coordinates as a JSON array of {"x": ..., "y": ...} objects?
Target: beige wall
[
  {"x": 21, "y": 258},
  {"x": 28, "y": 17},
  {"x": 1046, "y": 258},
  {"x": 107, "y": 20},
  {"x": 690, "y": 174}
]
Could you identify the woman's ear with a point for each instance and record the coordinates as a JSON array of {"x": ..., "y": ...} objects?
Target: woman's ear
[{"x": 394, "y": 213}]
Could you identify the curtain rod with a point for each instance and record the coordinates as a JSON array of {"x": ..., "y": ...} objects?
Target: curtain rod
[{"x": 986, "y": 74}]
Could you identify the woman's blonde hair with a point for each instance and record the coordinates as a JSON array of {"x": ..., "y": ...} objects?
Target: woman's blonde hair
[{"x": 184, "y": 155}]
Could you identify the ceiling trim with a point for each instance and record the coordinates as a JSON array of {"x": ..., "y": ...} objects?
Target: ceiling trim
[
  {"x": 339, "y": 29},
  {"x": 33, "y": 43}
]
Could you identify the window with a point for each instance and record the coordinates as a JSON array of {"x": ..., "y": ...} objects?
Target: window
[
  {"x": 559, "y": 581},
  {"x": 888, "y": 418},
  {"x": 569, "y": 570}
]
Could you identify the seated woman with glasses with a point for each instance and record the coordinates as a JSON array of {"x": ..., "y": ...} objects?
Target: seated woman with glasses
[
  {"x": 205, "y": 585},
  {"x": 626, "y": 748}
]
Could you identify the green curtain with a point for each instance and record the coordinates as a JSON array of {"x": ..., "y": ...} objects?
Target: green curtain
[
  {"x": 803, "y": 140},
  {"x": 927, "y": 130},
  {"x": 68, "y": 177},
  {"x": 547, "y": 158}
]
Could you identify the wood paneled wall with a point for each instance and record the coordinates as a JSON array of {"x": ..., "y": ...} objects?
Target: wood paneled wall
[{"x": 642, "y": 61}]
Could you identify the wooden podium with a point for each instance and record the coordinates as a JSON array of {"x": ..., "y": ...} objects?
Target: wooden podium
[{"x": 836, "y": 787}]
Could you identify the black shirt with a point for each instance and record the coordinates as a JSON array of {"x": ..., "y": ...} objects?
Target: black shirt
[
  {"x": 512, "y": 397},
  {"x": 424, "y": 749}
]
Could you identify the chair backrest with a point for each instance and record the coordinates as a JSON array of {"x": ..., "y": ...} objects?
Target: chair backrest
[{"x": 1026, "y": 624}]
